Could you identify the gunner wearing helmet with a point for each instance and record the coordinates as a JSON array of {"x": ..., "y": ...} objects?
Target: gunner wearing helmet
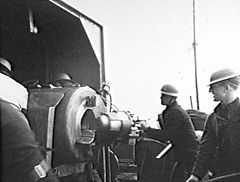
[
  {"x": 21, "y": 157},
  {"x": 64, "y": 80},
  {"x": 179, "y": 130},
  {"x": 221, "y": 137}
]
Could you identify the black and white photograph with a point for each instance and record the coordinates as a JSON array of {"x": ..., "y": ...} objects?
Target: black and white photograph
[{"x": 120, "y": 91}]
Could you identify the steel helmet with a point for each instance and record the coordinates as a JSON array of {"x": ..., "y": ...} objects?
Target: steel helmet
[
  {"x": 62, "y": 76},
  {"x": 64, "y": 80},
  {"x": 168, "y": 89},
  {"x": 5, "y": 63},
  {"x": 221, "y": 75}
]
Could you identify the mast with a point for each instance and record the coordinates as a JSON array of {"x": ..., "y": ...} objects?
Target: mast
[{"x": 195, "y": 55}]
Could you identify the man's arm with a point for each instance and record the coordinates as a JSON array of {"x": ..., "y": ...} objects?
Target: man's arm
[
  {"x": 207, "y": 147},
  {"x": 173, "y": 121}
]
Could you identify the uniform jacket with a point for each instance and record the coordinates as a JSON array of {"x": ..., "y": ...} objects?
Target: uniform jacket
[
  {"x": 220, "y": 141},
  {"x": 19, "y": 150},
  {"x": 178, "y": 129}
]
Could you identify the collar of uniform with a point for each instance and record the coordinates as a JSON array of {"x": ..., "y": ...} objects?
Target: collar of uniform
[
  {"x": 233, "y": 104},
  {"x": 173, "y": 104},
  {"x": 12, "y": 91},
  {"x": 233, "y": 107},
  {"x": 12, "y": 104},
  {"x": 230, "y": 110}
]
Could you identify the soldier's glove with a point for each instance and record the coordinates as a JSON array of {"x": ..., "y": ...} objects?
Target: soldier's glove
[
  {"x": 42, "y": 173},
  {"x": 144, "y": 125}
]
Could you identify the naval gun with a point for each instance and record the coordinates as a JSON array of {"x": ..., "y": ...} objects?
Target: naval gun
[{"x": 72, "y": 125}]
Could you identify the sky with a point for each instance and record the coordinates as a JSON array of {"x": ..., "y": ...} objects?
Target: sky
[{"x": 149, "y": 44}]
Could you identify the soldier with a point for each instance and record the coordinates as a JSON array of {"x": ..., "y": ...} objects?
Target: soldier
[
  {"x": 179, "y": 130},
  {"x": 21, "y": 159},
  {"x": 64, "y": 80},
  {"x": 221, "y": 137}
]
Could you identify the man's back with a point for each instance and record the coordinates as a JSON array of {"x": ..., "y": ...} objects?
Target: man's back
[
  {"x": 180, "y": 130},
  {"x": 20, "y": 152}
]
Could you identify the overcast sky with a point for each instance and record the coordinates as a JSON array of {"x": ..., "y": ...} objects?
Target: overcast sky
[{"x": 149, "y": 43}]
